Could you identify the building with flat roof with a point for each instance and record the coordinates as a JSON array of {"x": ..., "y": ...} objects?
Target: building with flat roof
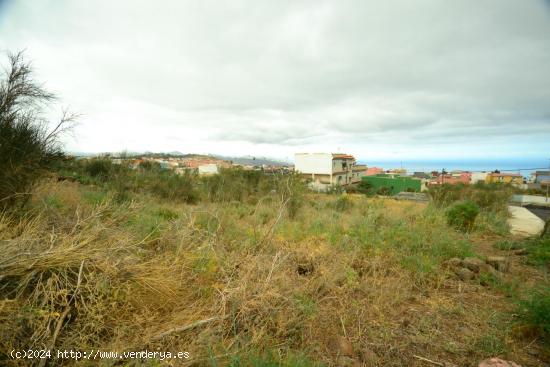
[{"x": 322, "y": 170}]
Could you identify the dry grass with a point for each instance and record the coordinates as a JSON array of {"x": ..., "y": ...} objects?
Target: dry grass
[{"x": 82, "y": 272}]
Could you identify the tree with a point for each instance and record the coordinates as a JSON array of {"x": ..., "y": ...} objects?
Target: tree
[{"x": 28, "y": 148}]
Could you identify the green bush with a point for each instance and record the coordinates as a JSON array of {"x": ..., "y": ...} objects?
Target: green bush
[
  {"x": 538, "y": 251},
  {"x": 99, "y": 168},
  {"x": 462, "y": 216},
  {"x": 175, "y": 188},
  {"x": 534, "y": 312},
  {"x": 365, "y": 187}
]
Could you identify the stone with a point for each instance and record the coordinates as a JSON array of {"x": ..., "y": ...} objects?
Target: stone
[
  {"x": 499, "y": 262},
  {"x": 473, "y": 263},
  {"x": 341, "y": 346},
  {"x": 520, "y": 251},
  {"x": 465, "y": 274},
  {"x": 486, "y": 268},
  {"x": 369, "y": 357},
  {"x": 453, "y": 262},
  {"x": 497, "y": 362}
]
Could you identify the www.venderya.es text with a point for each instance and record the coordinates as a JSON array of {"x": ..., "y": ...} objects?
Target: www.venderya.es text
[{"x": 94, "y": 354}]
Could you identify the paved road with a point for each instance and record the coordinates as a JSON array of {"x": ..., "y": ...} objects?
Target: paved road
[{"x": 540, "y": 211}]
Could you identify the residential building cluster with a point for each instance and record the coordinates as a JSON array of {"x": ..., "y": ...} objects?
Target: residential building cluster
[
  {"x": 323, "y": 170},
  {"x": 202, "y": 165}
]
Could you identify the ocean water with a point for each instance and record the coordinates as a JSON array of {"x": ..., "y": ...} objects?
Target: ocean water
[{"x": 522, "y": 166}]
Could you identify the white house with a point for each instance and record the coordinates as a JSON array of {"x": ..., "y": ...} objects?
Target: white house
[
  {"x": 478, "y": 177},
  {"x": 326, "y": 169},
  {"x": 208, "y": 169}
]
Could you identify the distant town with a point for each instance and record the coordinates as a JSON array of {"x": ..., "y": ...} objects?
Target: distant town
[{"x": 325, "y": 170}]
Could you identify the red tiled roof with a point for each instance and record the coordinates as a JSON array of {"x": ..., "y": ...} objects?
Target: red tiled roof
[{"x": 344, "y": 156}]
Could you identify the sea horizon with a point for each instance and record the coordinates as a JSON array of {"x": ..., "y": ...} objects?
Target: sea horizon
[{"x": 523, "y": 166}]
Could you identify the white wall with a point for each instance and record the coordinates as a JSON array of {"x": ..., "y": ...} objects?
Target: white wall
[
  {"x": 318, "y": 163},
  {"x": 530, "y": 199},
  {"x": 208, "y": 169},
  {"x": 478, "y": 176}
]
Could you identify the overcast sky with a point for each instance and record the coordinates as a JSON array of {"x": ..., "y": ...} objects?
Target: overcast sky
[{"x": 379, "y": 79}]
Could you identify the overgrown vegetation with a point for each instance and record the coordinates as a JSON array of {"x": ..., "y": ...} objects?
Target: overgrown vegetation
[
  {"x": 462, "y": 216},
  {"x": 489, "y": 197},
  {"x": 28, "y": 148},
  {"x": 119, "y": 274},
  {"x": 536, "y": 249},
  {"x": 534, "y": 313},
  {"x": 230, "y": 185}
]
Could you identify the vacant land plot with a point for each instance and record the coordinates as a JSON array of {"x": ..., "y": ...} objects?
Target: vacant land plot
[{"x": 333, "y": 280}]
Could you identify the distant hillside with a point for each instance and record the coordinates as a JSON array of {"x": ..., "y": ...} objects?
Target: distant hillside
[
  {"x": 253, "y": 161},
  {"x": 245, "y": 160}
]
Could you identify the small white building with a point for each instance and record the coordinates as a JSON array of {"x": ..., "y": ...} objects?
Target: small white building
[
  {"x": 208, "y": 169},
  {"x": 325, "y": 169},
  {"x": 478, "y": 177}
]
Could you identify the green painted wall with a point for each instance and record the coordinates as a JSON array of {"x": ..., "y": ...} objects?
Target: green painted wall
[{"x": 395, "y": 184}]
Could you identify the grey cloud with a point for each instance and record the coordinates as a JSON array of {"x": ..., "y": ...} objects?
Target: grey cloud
[{"x": 291, "y": 73}]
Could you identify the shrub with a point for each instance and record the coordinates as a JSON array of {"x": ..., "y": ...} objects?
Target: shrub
[
  {"x": 384, "y": 191},
  {"x": 462, "y": 215},
  {"x": 27, "y": 148},
  {"x": 292, "y": 189},
  {"x": 99, "y": 168},
  {"x": 534, "y": 312},
  {"x": 335, "y": 189},
  {"x": 489, "y": 197},
  {"x": 175, "y": 188},
  {"x": 365, "y": 187},
  {"x": 342, "y": 204},
  {"x": 149, "y": 166},
  {"x": 443, "y": 195},
  {"x": 493, "y": 197},
  {"x": 234, "y": 184},
  {"x": 539, "y": 251}
]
